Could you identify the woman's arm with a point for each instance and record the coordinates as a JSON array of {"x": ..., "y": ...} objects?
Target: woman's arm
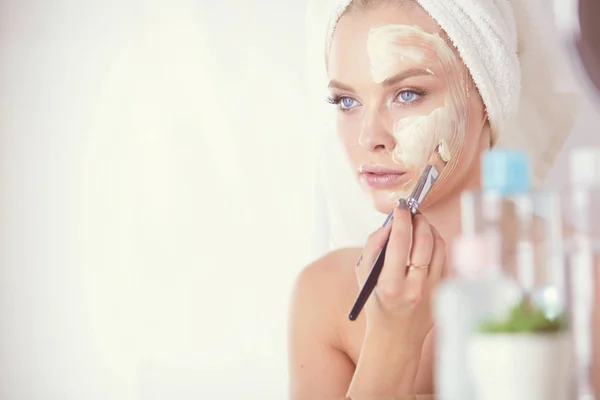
[
  {"x": 318, "y": 368},
  {"x": 318, "y": 365},
  {"x": 385, "y": 367}
]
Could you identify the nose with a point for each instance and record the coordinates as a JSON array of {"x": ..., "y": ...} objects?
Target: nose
[{"x": 376, "y": 133}]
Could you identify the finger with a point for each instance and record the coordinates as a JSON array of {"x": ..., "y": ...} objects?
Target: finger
[
  {"x": 444, "y": 270},
  {"x": 390, "y": 281},
  {"x": 373, "y": 246},
  {"x": 438, "y": 258},
  {"x": 422, "y": 242},
  {"x": 420, "y": 258}
]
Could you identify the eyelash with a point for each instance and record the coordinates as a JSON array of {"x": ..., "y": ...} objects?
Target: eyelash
[{"x": 337, "y": 99}]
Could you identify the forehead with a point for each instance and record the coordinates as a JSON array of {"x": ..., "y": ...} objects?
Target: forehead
[{"x": 349, "y": 42}]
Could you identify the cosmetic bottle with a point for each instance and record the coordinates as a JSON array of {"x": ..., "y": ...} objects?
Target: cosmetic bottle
[
  {"x": 501, "y": 332},
  {"x": 478, "y": 286},
  {"x": 528, "y": 221},
  {"x": 519, "y": 349},
  {"x": 582, "y": 217},
  {"x": 505, "y": 176}
]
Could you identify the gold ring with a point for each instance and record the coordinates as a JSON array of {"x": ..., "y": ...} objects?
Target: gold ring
[{"x": 412, "y": 266}]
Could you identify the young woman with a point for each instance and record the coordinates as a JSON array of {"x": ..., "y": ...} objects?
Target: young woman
[{"x": 404, "y": 95}]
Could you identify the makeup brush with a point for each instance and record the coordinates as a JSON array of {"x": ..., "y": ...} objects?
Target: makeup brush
[{"x": 428, "y": 178}]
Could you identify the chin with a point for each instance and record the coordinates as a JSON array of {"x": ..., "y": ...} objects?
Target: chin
[{"x": 385, "y": 201}]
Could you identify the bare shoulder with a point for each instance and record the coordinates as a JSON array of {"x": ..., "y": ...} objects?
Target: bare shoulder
[
  {"x": 328, "y": 281},
  {"x": 331, "y": 265},
  {"x": 319, "y": 363}
]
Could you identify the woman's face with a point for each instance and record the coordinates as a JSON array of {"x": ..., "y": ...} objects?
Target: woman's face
[{"x": 402, "y": 94}]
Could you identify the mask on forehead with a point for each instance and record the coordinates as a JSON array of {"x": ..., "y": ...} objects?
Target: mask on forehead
[{"x": 396, "y": 48}]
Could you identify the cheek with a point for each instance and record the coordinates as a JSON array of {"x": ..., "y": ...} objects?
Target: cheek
[
  {"x": 444, "y": 128},
  {"x": 467, "y": 150},
  {"x": 477, "y": 119},
  {"x": 469, "y": 147},
  {"x": 416, "y": 139}
]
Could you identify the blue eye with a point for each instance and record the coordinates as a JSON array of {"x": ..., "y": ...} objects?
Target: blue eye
[
  {"x": 408, "y": 96},
  {"x": 343, "y": 103},
  {"x": 347, "y": 102}
]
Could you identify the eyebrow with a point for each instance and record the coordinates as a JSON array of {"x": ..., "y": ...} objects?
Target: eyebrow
[{"x": 391, "y": 81}]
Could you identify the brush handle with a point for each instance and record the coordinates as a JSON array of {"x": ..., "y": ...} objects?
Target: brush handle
[
  {"x": 370, "y": 283},
  {"x": 428, "y": 178}
]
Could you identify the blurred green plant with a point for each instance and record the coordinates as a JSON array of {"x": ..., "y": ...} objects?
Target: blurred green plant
[{"x": 526, "y": 317}]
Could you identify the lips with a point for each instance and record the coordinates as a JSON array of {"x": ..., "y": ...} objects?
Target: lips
[
  {"x": 379, "y": 177},
  {"x": 379, "y": 170},
  {"x": 382, "y": 181}
]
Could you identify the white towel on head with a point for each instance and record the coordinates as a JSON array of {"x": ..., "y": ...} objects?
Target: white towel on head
[
  {"x": 499, "y": 40},
  {"x": 486, "y": 39},
  {"x": 514, "y": 56}
]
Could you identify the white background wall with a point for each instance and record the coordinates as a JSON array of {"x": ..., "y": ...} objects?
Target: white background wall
[
  {"x": 156, "y": 197},
  {"x": 156, "y": 172}
]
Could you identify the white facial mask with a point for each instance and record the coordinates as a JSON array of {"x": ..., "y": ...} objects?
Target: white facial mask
[{"x": 394, "y": 48}]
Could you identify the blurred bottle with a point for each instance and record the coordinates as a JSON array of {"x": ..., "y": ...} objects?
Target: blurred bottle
[
  {"x": 505, "y": 175},
  {"x": 583, "y": 232},
  {"x": 520, "y": 351},
  {"x": 500, "y": 321},
  {"x": 478, "y": 288},
  {"x": 528, "y": 222}
]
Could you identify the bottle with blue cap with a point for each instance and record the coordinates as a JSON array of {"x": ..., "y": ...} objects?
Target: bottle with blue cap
[
  {"x": 505, "y": 174},
  {"x": 478, "y": 287},
  {"x": 507, "y": 203},
  {"x": 494, "y": 270}
]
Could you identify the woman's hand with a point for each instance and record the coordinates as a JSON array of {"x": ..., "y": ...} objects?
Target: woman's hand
[
  {"x": 398, "y": 314},
  {"x": 415, "y": 256}
]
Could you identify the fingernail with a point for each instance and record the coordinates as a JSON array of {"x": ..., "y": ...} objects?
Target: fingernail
[
  {"x": 359, "y": 260},
  {"x": 402, "y": 204}
]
